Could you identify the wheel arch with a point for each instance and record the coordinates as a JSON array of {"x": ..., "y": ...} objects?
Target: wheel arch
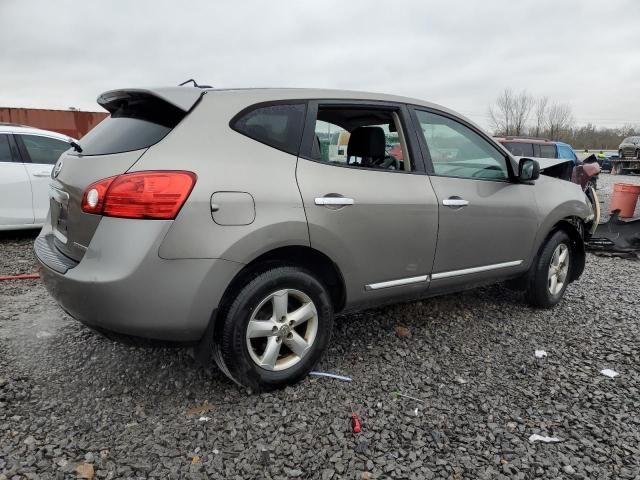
[
  {"x": 574, "y": 228},
  {"x": 313, "y": 260},
  {"x": 316, "y": 262}
]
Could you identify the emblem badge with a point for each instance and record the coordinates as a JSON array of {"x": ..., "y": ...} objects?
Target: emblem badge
[{"x": 57, "y": 169}]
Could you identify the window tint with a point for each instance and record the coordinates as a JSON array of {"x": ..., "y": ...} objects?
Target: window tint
[
  {"x": 547, "y": 151},
  {"x": 136, "y": 122},
  {"x": 360, "y": 137},
  {"x": 117, "y": 135},
  {"x": 520, "y": 149},
  {"x": 458, "y": 151},
  {"x": 279, "y": 126},
  {"x": 44, "y": 149},
  {"x": 5, "y": 149},
  {"x": 566, "y": 153}
]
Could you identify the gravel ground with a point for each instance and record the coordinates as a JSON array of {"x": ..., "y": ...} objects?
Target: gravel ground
[{"x": 72, "y": 401}]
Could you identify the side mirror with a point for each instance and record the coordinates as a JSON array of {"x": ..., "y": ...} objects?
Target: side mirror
[{"x": 528, "y": 170}]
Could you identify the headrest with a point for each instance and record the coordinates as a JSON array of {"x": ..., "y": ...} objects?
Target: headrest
[{"x": 366, "y": 142}]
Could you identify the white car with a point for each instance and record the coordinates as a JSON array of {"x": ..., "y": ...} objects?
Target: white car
[{"x": 27, "y": 156}]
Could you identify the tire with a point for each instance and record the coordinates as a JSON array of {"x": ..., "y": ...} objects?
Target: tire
[
  {"x": 637, "y": 154},
  {"x": 290, "y": 294},
  {"x": 539, "y": 291}
]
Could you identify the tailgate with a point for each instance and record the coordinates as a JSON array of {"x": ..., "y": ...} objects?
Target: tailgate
[
  {"x": 139, "y": 119},
  {"x": 72, "y": 228}
]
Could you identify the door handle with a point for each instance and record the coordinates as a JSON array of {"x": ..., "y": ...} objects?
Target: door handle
[
  {"x": 455, "y": 202},
  {"x": 340, "y": 201},
  {"x": 44, "y": 173}
]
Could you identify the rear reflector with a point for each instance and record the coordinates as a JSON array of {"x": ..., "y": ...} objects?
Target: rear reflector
[{"x": 151, "y": 194}]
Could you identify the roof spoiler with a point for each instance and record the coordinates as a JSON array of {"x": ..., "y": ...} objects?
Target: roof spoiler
[{"x": 183, "y": 98}]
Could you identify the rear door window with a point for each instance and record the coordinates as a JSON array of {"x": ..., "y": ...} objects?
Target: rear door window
[
  {"x": 44, "y": 150},
  {"x": 363, "y": 137},
  {"x": 279, "y": 125},
  {"x": 547, "y": 151}
]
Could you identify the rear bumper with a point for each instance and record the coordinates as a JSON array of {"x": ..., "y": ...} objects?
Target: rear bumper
[{"x": 122, "y": 285}]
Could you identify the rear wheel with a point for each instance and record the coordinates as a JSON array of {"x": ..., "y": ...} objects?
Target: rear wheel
[
  {"x": 551, "y": 272},
  {"x": 276, "y": 330}
]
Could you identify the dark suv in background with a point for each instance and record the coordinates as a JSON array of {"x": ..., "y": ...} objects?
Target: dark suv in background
[
  {"x": 539, "y": 148},
  {"x": 558, "y": 159}
]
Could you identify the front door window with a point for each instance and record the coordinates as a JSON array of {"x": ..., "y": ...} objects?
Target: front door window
[{"x": 458, "y": 151}]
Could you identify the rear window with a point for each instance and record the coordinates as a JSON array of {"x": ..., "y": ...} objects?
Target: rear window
[
  {"x": 279, "y": 126},
  {"x": 547, "y": 151},
  {"x": 520, "y": 149},
  {"x": 136, "y": 122}
]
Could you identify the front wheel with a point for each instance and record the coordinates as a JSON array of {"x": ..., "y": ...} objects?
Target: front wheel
[
  {"x": 550, "y": 273},
  {"x": 276, "y": 330}
]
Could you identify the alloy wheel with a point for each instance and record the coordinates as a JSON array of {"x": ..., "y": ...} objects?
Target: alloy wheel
[
  {"x": 282, "y": 329},
  {"x": 558, "y": 269}
]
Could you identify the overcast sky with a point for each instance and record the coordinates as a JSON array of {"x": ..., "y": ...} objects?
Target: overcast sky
[{"x": 462, "y": 54}]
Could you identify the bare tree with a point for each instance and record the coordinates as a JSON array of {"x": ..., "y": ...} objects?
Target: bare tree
[
  {"x": 500, "y": 113},
  {"x": 540, "y": 115},
  {"x": 522, "y": 104},
  {"x": 559, "y": 120},
  {"x": 510, "y": 113}
]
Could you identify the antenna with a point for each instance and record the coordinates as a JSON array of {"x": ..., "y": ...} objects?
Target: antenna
[{"x": 191, "y": 80}]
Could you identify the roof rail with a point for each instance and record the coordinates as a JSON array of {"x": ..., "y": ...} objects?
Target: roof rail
[{"x": 525, "y": 137}]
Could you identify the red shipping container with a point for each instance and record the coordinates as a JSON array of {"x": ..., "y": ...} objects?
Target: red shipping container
[{"x": 73, "y": 123}]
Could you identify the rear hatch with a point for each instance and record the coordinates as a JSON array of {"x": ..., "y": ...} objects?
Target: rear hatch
[{"x": 139, "y": 119}]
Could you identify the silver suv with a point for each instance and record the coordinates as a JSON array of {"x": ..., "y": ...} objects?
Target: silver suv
[{"x": 245, "y": 219}]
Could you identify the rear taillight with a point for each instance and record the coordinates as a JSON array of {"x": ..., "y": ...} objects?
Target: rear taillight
[
  {"x": 152, "y": 194},
  {"x": 95, "y": 194}
]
